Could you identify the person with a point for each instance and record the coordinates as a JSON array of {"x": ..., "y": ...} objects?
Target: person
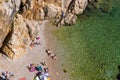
[
  {"x": 49, "y": 52},
  {"x": 62, "y": 17},
  {"x": 37, "y": 41},
  {"x": 45, "y": 8},
  {"x": 43, "y": 63},
  {"x": 46, "y": 70},
  {"x": 39, "y": 68},
  {"x": 37, "y": 76},
  {"x": 32, "y": 44},
  {"x": 32, "y": 67},
  {"x": 62, "y": 14},
  {"x": 53, "y": 56},
  {"x": 6, "y": 75}
]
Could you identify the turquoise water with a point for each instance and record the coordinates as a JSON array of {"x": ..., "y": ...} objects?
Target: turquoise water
[{"x": 91, "y": 48}]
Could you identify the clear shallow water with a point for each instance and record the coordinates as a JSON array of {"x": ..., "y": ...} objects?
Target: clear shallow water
[{"x": 90, "y": 50}]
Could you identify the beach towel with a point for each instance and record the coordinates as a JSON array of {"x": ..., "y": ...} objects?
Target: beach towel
[
  {"x": 32, "y": 69},
  {"x": 23, "y": 78}
]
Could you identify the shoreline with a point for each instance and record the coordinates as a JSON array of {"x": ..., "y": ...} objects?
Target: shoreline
[
  {"x": 36, "y": 55},
  {"x": 55, "y": 66}
]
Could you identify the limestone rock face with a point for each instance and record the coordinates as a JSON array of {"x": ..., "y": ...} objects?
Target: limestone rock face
[
  {"x": 40, "y": 9},
  {"x": 19, "y": 38},
  {"x": 79, "y": 6},
  {"x": 75, "y": 8},
  {"x": 20, "y": 19},
  {"x": 53, "y": 10},
  {"x": 10, "y": 6},
  {"x": 4, "y": 29}
]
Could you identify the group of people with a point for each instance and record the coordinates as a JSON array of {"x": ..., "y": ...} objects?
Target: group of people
[
  {"x": 42, "y": 71},
  {"x": 34, "y": 67},
  {"x": 35, "y": 41},
  {"x": 51, "y": 54},
  {"x": 6, "y": 75}
]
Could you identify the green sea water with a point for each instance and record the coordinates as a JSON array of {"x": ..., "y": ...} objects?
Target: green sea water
[{"x": 90, "y": 50}]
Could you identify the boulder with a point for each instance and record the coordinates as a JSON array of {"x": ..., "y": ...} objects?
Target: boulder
[
  {"x": 10, "y": 6},
  {"x": 53, "y": 10},
  {"x": 79, "y": 6},
  {"x": 75, "y": 8},
  {"x": 19, "y": 38},
  {"x": 70, "y": 19}
]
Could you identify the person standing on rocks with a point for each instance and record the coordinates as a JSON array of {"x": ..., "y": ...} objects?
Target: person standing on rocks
[
  {"x": 45, "y": 8},
  {"x": 62, "y": 16}
]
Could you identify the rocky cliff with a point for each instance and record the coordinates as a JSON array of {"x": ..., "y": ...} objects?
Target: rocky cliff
[
  {"x": 75, "y": 8},
  {"x": 19, "y": 20}
]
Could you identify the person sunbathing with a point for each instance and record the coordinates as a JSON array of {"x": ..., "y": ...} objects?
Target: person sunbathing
[
  {"x": 53, "y": 56},
  {"x": 46, "y": 70},
  {"x": 32, "y": 67},
  {"x": 49, "y": 52}
]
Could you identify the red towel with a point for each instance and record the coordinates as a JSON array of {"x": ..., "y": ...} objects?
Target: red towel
[{"x": 22, "y": 78}]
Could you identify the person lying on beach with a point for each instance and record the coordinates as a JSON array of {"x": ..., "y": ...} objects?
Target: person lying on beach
[
  {"x": 39, "y": 68},
  {"x": 32, "y": 67},
  {"x": 46, "y": 70},
  {"x": 53, "y": 56},
  {"x": 50, "y": 53}
]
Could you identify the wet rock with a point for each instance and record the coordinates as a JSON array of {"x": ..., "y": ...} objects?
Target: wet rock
[{"x": 103, "y": 5}]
